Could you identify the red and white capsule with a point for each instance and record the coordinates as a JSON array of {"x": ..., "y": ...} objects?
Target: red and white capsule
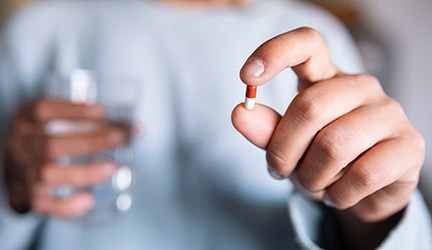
[{"x": 250, "y": 97}]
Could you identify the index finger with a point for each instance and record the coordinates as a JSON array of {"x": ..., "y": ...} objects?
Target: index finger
[
  {"x": 44, "y": 110},
  {"x": 303, "y": 49}
]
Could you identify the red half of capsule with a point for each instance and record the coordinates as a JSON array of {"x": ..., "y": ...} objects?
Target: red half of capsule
[{"x": 251, "y": 91}]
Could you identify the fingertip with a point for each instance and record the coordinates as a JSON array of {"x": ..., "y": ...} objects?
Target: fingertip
[
  {"x": 236, "y": 114},
  {"x": 241, "y": 116},
  {"x": 138, "y": 131},
  {"x": 108, "y": 169},
  {"x": 257, "y": 125},
  {"x": 252, "y": 70},
  {"x": 81, "y": 204}
]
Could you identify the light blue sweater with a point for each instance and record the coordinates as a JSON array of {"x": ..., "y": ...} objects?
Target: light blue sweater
[{"x": 199, "y": 183}]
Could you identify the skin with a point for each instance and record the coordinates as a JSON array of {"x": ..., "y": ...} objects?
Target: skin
[
  {"x": 31, "y": 170},
  {"x": 342, "y": 140}
]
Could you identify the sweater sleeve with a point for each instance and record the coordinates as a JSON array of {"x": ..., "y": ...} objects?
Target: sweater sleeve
[
  {"x": 16, "y": 231},
  {"x": 412, "y": 232}
]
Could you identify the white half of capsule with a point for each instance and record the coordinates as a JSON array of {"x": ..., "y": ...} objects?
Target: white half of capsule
[{"x": 250, "y": 103}]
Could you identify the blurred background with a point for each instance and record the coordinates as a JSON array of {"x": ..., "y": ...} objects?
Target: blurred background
[{"x": 394, "y": 38}]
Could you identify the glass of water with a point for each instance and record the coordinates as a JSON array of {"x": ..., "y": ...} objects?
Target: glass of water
[{"x": 118, "y": 96}]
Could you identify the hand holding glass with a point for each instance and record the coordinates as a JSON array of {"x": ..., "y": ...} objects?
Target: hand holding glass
[{"x": 117, "y": 96}]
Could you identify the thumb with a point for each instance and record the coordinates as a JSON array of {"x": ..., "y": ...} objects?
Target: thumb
[{"x": 257, "y": 125}]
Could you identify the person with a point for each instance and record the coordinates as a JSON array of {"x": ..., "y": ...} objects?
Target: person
[{"x": 351, "y": 156}]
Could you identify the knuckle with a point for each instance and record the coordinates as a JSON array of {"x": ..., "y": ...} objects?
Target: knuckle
[
  {"x": 394, "y": 107},
  {"x": 330, "y": 145},
  {"x": 364, "y": 178},
  {"x": 306, "y": 108},
  {"x": 369, "y": 84},
  {"x": 312, "y": 33},
  {"x": 419, "y": 142},
  {"x": 418, "y": 145},
  {"x": 369, "y": 80}
]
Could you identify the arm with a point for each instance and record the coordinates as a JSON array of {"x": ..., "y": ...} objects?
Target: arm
[
  {"x": 16, "y": 231},
  {"x": 25, "y": 147}
]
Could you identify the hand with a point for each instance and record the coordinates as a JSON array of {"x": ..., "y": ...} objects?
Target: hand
[
  {"x": 342, "y": 140},
  {"x": 31, "y": 172}
]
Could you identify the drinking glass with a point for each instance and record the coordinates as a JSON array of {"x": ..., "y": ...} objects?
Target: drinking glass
[{"x": 118, "y": 96}]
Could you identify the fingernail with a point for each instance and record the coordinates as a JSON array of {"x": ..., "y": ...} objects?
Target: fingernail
[
  {"x": 274, "y": 173},
  {"x": 138, "y": 131},
  {"x": 108, "y": 169},
  {"x": 328, "y": 202},
  {"x": 254, "y": 67},
  {"x": 85, "y": 202}
]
